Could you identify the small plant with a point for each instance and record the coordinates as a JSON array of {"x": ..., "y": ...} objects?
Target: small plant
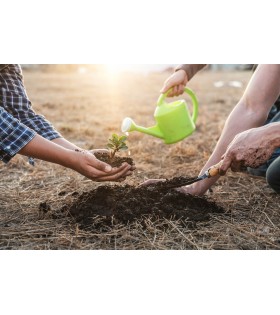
[{"x": 116, "y": 143}]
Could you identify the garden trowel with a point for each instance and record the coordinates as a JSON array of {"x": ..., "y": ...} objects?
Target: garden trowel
[{"x": 211, "y": 172}]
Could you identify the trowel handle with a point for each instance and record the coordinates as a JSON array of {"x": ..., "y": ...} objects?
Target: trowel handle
[
  {"x": 214, "y": 170},
  {"x": 192, "y": 96}
]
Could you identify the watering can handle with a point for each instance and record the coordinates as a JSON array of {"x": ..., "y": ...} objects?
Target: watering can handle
[{"x": 192, "y": 96}]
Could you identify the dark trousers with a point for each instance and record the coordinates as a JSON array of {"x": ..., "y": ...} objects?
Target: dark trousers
[
  {"x": 273, "y": 175},
  {"x": 273, "y": 170}
]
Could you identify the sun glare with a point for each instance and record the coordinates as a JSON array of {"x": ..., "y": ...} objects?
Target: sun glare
[
  {"x": 114, "y": 69},
  {"x": 82, "y": 70}
]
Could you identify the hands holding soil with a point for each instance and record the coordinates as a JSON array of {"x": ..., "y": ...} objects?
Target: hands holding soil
[
  {"x": 88, "y": 165},
  {"x": 63, "y": 152}
]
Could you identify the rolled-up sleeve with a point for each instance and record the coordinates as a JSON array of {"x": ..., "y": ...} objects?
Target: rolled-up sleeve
[
  {"x": 13, "y": 136},
  {"x": 190, "y": 69}
]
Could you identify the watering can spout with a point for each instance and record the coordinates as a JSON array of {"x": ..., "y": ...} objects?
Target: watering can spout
[{"x": 129, "y": 125}]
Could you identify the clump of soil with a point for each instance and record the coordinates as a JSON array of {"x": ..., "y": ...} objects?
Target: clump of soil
[
  {"x": 127, "y": 203},
  {"x": 117, "y": 161},
  {"x": 174, "y": 182}
]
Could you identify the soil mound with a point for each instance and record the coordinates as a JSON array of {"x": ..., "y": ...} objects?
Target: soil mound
[{"x": 127, "y": 203}]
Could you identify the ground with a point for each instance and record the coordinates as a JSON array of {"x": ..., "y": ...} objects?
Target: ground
[{"x": 87, "y": 108}]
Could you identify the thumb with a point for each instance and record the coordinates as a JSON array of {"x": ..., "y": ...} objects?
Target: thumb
[
  {"x": 225, "y": 164},
  {"x": 102, "y": 166}
]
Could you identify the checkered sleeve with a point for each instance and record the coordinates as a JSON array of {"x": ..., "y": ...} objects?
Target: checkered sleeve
[
  {"x": 14, "y": 99},
  {"x": 13, "y": 136}
]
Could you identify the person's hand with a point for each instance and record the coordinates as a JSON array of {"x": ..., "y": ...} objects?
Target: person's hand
[
  {"x": 88, "y": 165},
  {"x": 177, "y": 81},
  {"x": 133, "y": 168},
  {"x": 193, "y": 189},
  {"x": 250, "y": 148}
]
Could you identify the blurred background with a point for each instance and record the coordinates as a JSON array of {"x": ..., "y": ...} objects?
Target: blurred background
[{"x": 144, "y": 68}]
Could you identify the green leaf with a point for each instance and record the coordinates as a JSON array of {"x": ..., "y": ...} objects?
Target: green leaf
[
  {"x": 110, "y": 146},
  {"x": 117, "y": 143},
  {"x": 123, "y": 138},
  {"x": 115, "y": 137}
]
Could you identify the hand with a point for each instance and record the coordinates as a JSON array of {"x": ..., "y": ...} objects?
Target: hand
[
  {"x": 195, "y": 189},
  {"x": 88, "y": 165},
  {"x": 133, "y": 168},
  {"x": 177, "y": 81},
  {"x": 250, "y": 148}
]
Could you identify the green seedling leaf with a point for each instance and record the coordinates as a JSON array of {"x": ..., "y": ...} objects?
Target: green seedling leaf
[
  {"x": 123, "y": 138},
  {"x": 124, "y": 148},
  {"x": 110, "y": 146},
  {"x": 116, "y": 143}
]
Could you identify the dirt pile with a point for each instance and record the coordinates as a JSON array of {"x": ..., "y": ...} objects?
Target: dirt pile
[{"x": 127, "y": 203}]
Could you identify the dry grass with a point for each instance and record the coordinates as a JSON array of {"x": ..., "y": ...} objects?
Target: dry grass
[{"x": 87, "y": 109}]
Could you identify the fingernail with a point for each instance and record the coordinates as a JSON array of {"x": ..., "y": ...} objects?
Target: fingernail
[{"x": 108, "y": 168}]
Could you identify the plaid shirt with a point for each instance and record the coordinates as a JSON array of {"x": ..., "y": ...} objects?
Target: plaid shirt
[{"x": 18, "y": 122}]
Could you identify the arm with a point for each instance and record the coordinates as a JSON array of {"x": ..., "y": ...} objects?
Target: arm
[
  {"x": 83, "y": 161},
  {"x": 178, "y": 80},
  {"x": 250, "y": 112},
  {"x": 191, "y": 70},
  {"x": 19, "y": 105},
  {"x": 15, "y": 138}
]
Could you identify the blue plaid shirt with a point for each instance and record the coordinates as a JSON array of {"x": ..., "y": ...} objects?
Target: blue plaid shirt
[{"x": 18, "y": 122}]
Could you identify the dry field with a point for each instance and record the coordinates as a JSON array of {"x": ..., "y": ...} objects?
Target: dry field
[{"x": 86, "y": 109}]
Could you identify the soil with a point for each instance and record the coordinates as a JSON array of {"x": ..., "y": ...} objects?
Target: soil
[
  {"x": 128, "y": 203},
  {"x": 175, "y": 182},
  {"x": 117, "y": 161}
]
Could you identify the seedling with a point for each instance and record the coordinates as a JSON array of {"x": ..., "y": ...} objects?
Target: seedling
[{"x": 116, "y": 143}]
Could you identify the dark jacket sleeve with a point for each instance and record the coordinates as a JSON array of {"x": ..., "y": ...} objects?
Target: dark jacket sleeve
[{"x": 190, "y": 70}]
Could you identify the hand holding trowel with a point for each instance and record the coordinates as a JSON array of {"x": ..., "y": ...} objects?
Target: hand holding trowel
[{"x": 211, "y": 172}]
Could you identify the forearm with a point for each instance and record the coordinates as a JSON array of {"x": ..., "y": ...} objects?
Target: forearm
[
  {"x": 66, "y": 144},
  {"x": 253, "y": 108},
  {"x": 250, "y": 112},
  {"x": 46, "y": 150},
  {"x": 241, "y": 118}
]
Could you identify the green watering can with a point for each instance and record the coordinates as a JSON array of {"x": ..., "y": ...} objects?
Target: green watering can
[{"x": 173, "y": 120}]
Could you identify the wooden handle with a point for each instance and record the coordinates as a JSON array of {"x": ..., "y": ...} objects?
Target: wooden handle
[{"x": 214, "y": 170}]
